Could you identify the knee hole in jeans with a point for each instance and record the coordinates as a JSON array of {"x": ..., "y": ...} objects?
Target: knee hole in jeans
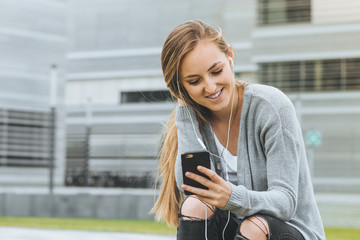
[
  {"x": 255, "y": 228},
  {"x": 194, "y": 209}
]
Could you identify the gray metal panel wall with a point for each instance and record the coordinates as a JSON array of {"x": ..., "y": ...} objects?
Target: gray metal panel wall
[
  {"x": 136, "y": 25},
  {"x": 33, "y": 36},
  {"x": 315, "y": 41}
]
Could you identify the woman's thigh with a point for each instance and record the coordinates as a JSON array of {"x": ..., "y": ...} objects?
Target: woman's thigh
[
  {"x": 277, "y": 229},
  {"x": 214, "y": 227},
  {"x": 217, "y": 225}
]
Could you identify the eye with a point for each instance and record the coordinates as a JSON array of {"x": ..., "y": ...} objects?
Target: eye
[
  {"x": 194, "y": 82},
  {"x": 217, "y": 72}
]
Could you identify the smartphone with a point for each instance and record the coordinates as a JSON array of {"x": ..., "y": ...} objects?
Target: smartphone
[{"x": 189, "y": 163}]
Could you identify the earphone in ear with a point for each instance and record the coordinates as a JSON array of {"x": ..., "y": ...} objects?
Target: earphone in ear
[{"x": 231, "y": 61}]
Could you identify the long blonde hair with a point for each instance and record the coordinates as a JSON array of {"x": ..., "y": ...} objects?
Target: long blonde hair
[{"x": 180, "y": 41}]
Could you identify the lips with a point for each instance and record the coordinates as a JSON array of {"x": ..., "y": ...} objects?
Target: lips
[{"x": 216, "y": 94}]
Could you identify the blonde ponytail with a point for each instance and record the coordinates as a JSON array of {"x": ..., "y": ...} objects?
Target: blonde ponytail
[{"x": 167, "y": 206}]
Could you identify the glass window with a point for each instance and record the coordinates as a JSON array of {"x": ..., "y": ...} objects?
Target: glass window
[
  {"x": 146, "y": 96},
  {"x": 24, "y": 138},
  {"x": 283, "y": 11},
  {"x": 316, "y": 75},
  {"x": 310, "y": 76},
  {"x": 290, "y": 75},
  {"x": 331, "y": 75},
  {"x": 352, "y": 73}
]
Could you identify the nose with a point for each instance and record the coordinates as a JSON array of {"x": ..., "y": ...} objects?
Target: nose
[{"x": 210, "y": 85}]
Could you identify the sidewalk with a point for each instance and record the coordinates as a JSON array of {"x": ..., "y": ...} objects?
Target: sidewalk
[{"x": 16, "y": 233}]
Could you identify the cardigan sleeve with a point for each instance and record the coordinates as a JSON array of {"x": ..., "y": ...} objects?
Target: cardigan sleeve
[{"x": 282, "y": 145}]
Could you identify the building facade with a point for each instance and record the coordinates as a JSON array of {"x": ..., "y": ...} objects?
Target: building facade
[
  {"x": 33, "y": 44},
  {"x": 308, "y": 49},
  {"x": 117, "y": 103}
]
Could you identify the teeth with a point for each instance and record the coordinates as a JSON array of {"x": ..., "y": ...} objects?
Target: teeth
[{"x": 216, "y": 94}]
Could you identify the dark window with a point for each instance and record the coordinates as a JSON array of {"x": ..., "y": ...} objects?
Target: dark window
[
  {"x": 310, "y": 75},
  {"x": 317, "y": 75},
  {"x": 331, "y": 79},
  {"x": 283, "y": 11},
  {"x": 291, "y": 75},
  {"x": 352, "y": 73},
  {"x": 24, "y": 138},
  {"x": 146, "y": 96}
]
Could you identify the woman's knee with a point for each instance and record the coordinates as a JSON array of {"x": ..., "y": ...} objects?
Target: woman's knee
[
  {"x": 194, "y": 208},
  {"x": 254, "y": 228}
]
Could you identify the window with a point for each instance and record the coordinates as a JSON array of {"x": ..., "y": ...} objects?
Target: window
[
  {"x": 317, "y": 75},
  {"x": 352, "y": 73},
  {"x": 282, "y": 75},
  {"x": 24, "y": 138},
  {"x": 331, "y": 75},
  {"x": 146, "y": 96},
  {"x": 283, "y": 11}
]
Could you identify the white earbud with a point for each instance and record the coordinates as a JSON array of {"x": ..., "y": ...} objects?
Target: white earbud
[{"x": 231, "y": 61}]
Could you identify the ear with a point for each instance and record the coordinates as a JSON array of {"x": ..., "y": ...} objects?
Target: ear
[{"x": 231, "y": 53}]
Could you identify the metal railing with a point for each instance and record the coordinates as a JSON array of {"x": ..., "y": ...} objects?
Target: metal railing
[{"x": 121, "y": 147}]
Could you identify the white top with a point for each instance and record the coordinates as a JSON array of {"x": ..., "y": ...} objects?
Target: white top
[{"x": 228, "y": 160}]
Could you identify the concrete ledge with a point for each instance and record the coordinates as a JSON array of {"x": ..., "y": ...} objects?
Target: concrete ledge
[{"x": 72, "y": 203}]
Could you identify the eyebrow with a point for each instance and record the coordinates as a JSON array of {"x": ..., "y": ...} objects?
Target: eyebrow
[{"x": 212, "y": 66}]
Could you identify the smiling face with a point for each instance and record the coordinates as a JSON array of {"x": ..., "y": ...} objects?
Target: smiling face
[{"x": 207, "y": 76}]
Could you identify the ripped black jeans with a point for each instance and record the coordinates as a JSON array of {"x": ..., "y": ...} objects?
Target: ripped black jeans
[{"x": 195, "y": 229}]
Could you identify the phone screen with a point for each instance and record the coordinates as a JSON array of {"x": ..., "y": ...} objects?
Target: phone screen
[{"x": 189, "y": 162}]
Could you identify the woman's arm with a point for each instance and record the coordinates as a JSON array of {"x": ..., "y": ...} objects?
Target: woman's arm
[{"x": 283, "y": 149}]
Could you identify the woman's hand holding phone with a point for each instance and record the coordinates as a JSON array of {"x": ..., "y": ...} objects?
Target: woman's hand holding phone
[{"x": 219, "y": 190}]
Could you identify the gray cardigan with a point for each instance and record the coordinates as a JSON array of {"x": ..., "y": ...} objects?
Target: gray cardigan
[{"x": 273, "y": 174}]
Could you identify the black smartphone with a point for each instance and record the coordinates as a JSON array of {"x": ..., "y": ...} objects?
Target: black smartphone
[{"x": 189, "y": 163}]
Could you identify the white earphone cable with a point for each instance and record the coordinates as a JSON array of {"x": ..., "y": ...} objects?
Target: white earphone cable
[
  {"x": 226, "y": 169},
  {"x": 205, "y": 222}
]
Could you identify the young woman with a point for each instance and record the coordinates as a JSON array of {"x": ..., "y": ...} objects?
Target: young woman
[{"x": 260, "y": 186}]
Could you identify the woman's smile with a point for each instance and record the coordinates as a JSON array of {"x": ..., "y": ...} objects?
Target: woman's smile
[{"x": 216, "y": 96}]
